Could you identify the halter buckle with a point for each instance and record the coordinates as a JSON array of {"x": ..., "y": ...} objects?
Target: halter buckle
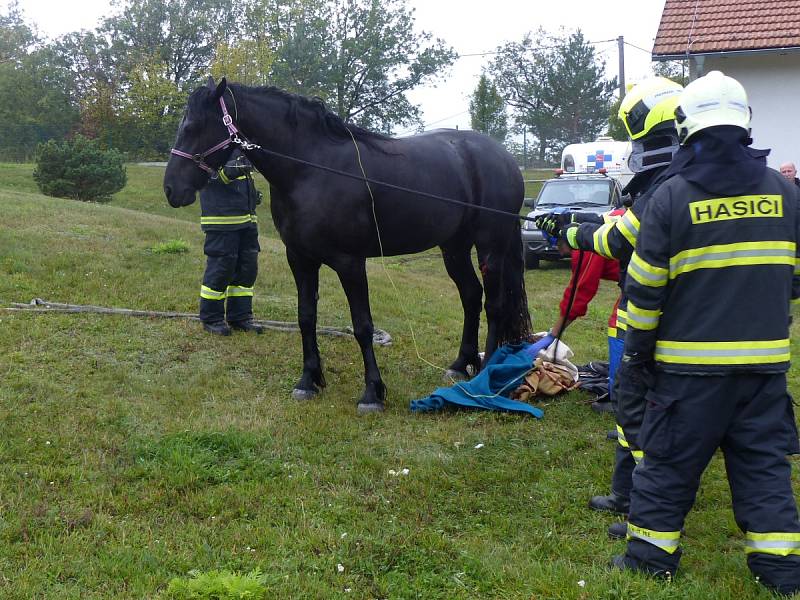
[{"x": 227, "y": 120}]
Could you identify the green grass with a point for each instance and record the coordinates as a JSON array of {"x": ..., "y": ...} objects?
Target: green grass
[
  {"x": 171, "y": 247},
  {"x": 139, "y": 452}
]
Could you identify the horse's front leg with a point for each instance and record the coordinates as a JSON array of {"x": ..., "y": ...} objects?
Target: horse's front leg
[
  {"x": 352, "y": 272},
  {"x": 306, "y": 278}
]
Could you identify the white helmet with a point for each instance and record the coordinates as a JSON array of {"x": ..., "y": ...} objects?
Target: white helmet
[{"x": 712, "y": 100}]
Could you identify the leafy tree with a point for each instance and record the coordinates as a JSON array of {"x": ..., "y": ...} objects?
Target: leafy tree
[
  {"x": 488, "y": 110},
  {"x": 79, "y": 169},
  {"x": 616, "y": 128},
  {"x": 35, "y": 100},
  {"x": 676, "y": 70},
  {"x": 182, "y": 34},
  {"x": 360, "y": 56},
  {"x": 150, "y": 111},
  {"x": 18, "y": 37},
  {"x": 556, "y": 88}
]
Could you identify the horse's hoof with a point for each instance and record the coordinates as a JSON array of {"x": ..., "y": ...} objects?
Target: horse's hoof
[
  {"x": 453, "y": 375},
  {"x": 374, "y": 407},
  {"x": 302, "y": 395}
]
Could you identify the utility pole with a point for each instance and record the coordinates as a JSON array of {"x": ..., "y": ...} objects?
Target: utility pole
[{"x": 621, "y": 52}]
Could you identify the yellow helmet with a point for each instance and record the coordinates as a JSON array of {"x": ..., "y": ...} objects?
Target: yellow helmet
[{"x": 648, "y": 104}]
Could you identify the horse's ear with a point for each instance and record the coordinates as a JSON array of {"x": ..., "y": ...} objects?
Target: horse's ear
[
  {"x": 223, "y": 84},
  {"x": 210, "y": 83}
]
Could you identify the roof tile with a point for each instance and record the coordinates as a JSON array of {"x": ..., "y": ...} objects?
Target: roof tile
[{"x": 703, "y": 26}]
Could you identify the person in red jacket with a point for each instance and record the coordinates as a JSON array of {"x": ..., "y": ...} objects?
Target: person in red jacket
[{"x": 593, "y": 268}]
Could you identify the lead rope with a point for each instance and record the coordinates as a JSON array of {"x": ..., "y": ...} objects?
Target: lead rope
[{"x": 399, "y": 296}]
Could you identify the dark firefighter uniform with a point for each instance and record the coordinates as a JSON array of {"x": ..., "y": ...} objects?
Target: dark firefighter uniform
[
  {"x": 617, "y": 239},
  {"x": 228, "y": 218},
  {"x": 647, "y": 111},
  {"x": 709, "y": 288}
]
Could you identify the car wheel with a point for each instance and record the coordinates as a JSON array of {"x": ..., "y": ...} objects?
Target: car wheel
[{"x": 531, "y": 261}]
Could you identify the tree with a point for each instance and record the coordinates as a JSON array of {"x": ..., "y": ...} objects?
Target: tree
[
  {"x": 17, "y": 38},
  {"x": 488, "y": 110},
  {"x": 181, "y": 34},
  {"x": 676, "y": 70},
  {"x": 150, "y": 112},
  {"x": 360, "y": 56},
  {"x": 616, "y": 128},
  {"x": 35, "y": 99},
  {"x": 556, "y": 88}
]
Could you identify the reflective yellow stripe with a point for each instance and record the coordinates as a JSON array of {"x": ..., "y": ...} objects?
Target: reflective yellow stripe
[
  {"x": 628, "y": 226},
  {"x": 638, "y": 455},
  {"x": 600, "y": 240},
  {"x": 647, "y": 274},
  {"x": 642, "y": 318},
  {"x": 609, "y": 218},
  {"x": 236, "y": 291},
  {"x": 622, "y": 319},
  {"x": 797, "y": 266},
  {"x": 779, "y": 543},
  {"x": 666, "y": 540},
  {"x": 723, "y": 353},
  {"x": 621, "y": 440},
  {"x": 733, "y": 255},
  {"x": 223, "y": 220},
  {"x": 209, "y": 294}
]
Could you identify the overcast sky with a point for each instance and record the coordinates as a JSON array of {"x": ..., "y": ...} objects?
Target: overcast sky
[{"x": 469, "y": 26}]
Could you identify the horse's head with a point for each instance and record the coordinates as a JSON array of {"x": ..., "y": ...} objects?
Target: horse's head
[{"x": 202, "y": 146}]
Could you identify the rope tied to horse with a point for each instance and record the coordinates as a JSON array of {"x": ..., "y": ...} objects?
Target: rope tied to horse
[{"x": 38, "y": 305}]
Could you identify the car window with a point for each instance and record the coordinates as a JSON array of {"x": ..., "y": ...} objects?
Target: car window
[{"x": 575, "y": 192}]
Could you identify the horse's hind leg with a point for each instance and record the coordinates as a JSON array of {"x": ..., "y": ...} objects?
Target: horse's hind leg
[
  {"x": 458, "y": 262},
  {"x": 352, "y": 272},
  {"x": 500, "y": 257},
  {"x": 306, "y": 278}
]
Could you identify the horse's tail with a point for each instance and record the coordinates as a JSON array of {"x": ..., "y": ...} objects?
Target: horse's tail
[{"x": 515, "y": 324}]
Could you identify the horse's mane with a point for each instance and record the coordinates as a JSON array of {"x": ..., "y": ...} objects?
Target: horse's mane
[{"x": 330, "y": 124}]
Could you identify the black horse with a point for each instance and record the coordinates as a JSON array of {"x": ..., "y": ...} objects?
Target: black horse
[{"x": 327, "y": 218}]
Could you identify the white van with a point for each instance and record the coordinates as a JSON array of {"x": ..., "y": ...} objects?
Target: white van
[{"x": 604, "y": 153}]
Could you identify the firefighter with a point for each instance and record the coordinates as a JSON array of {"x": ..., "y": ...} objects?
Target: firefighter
[
  {"x": 719, "y": 237},
  {"x": 648, "y": 113},
  {"x": 228, "y": 218}
]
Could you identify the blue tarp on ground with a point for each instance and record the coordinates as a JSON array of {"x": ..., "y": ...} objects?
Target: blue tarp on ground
[{"x": 489, "y": 389}]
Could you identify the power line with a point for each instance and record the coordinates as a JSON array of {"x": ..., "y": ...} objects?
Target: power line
[
  {"x": 488, "y": 52},
  {"x": 426, "y": 125},
  {"x": 637, "y": 47}
]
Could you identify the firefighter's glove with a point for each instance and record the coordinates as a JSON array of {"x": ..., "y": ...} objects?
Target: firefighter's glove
[
  {"x": 634, "y": 378},
  {"x": 552, "y": 223},
  {"x": 235, "y": 170}
]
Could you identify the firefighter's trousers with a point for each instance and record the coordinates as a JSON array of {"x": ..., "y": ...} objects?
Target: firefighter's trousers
[
  {"x": 231, "y": 270},
  {"x": 750, "y": 418},
  {"x": 623, "y": 460}
]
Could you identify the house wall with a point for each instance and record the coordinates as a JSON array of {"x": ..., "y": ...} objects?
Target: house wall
[{"x": 772, "y": 82}]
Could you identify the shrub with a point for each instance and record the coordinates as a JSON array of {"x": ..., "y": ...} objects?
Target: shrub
[{"x": 79, "y": 169}]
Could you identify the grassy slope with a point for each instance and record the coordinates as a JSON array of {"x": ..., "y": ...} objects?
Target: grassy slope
[{"x": 135, "y": 450}]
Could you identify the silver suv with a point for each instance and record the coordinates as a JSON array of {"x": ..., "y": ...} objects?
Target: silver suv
[{"x": 593, "y": 193}]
